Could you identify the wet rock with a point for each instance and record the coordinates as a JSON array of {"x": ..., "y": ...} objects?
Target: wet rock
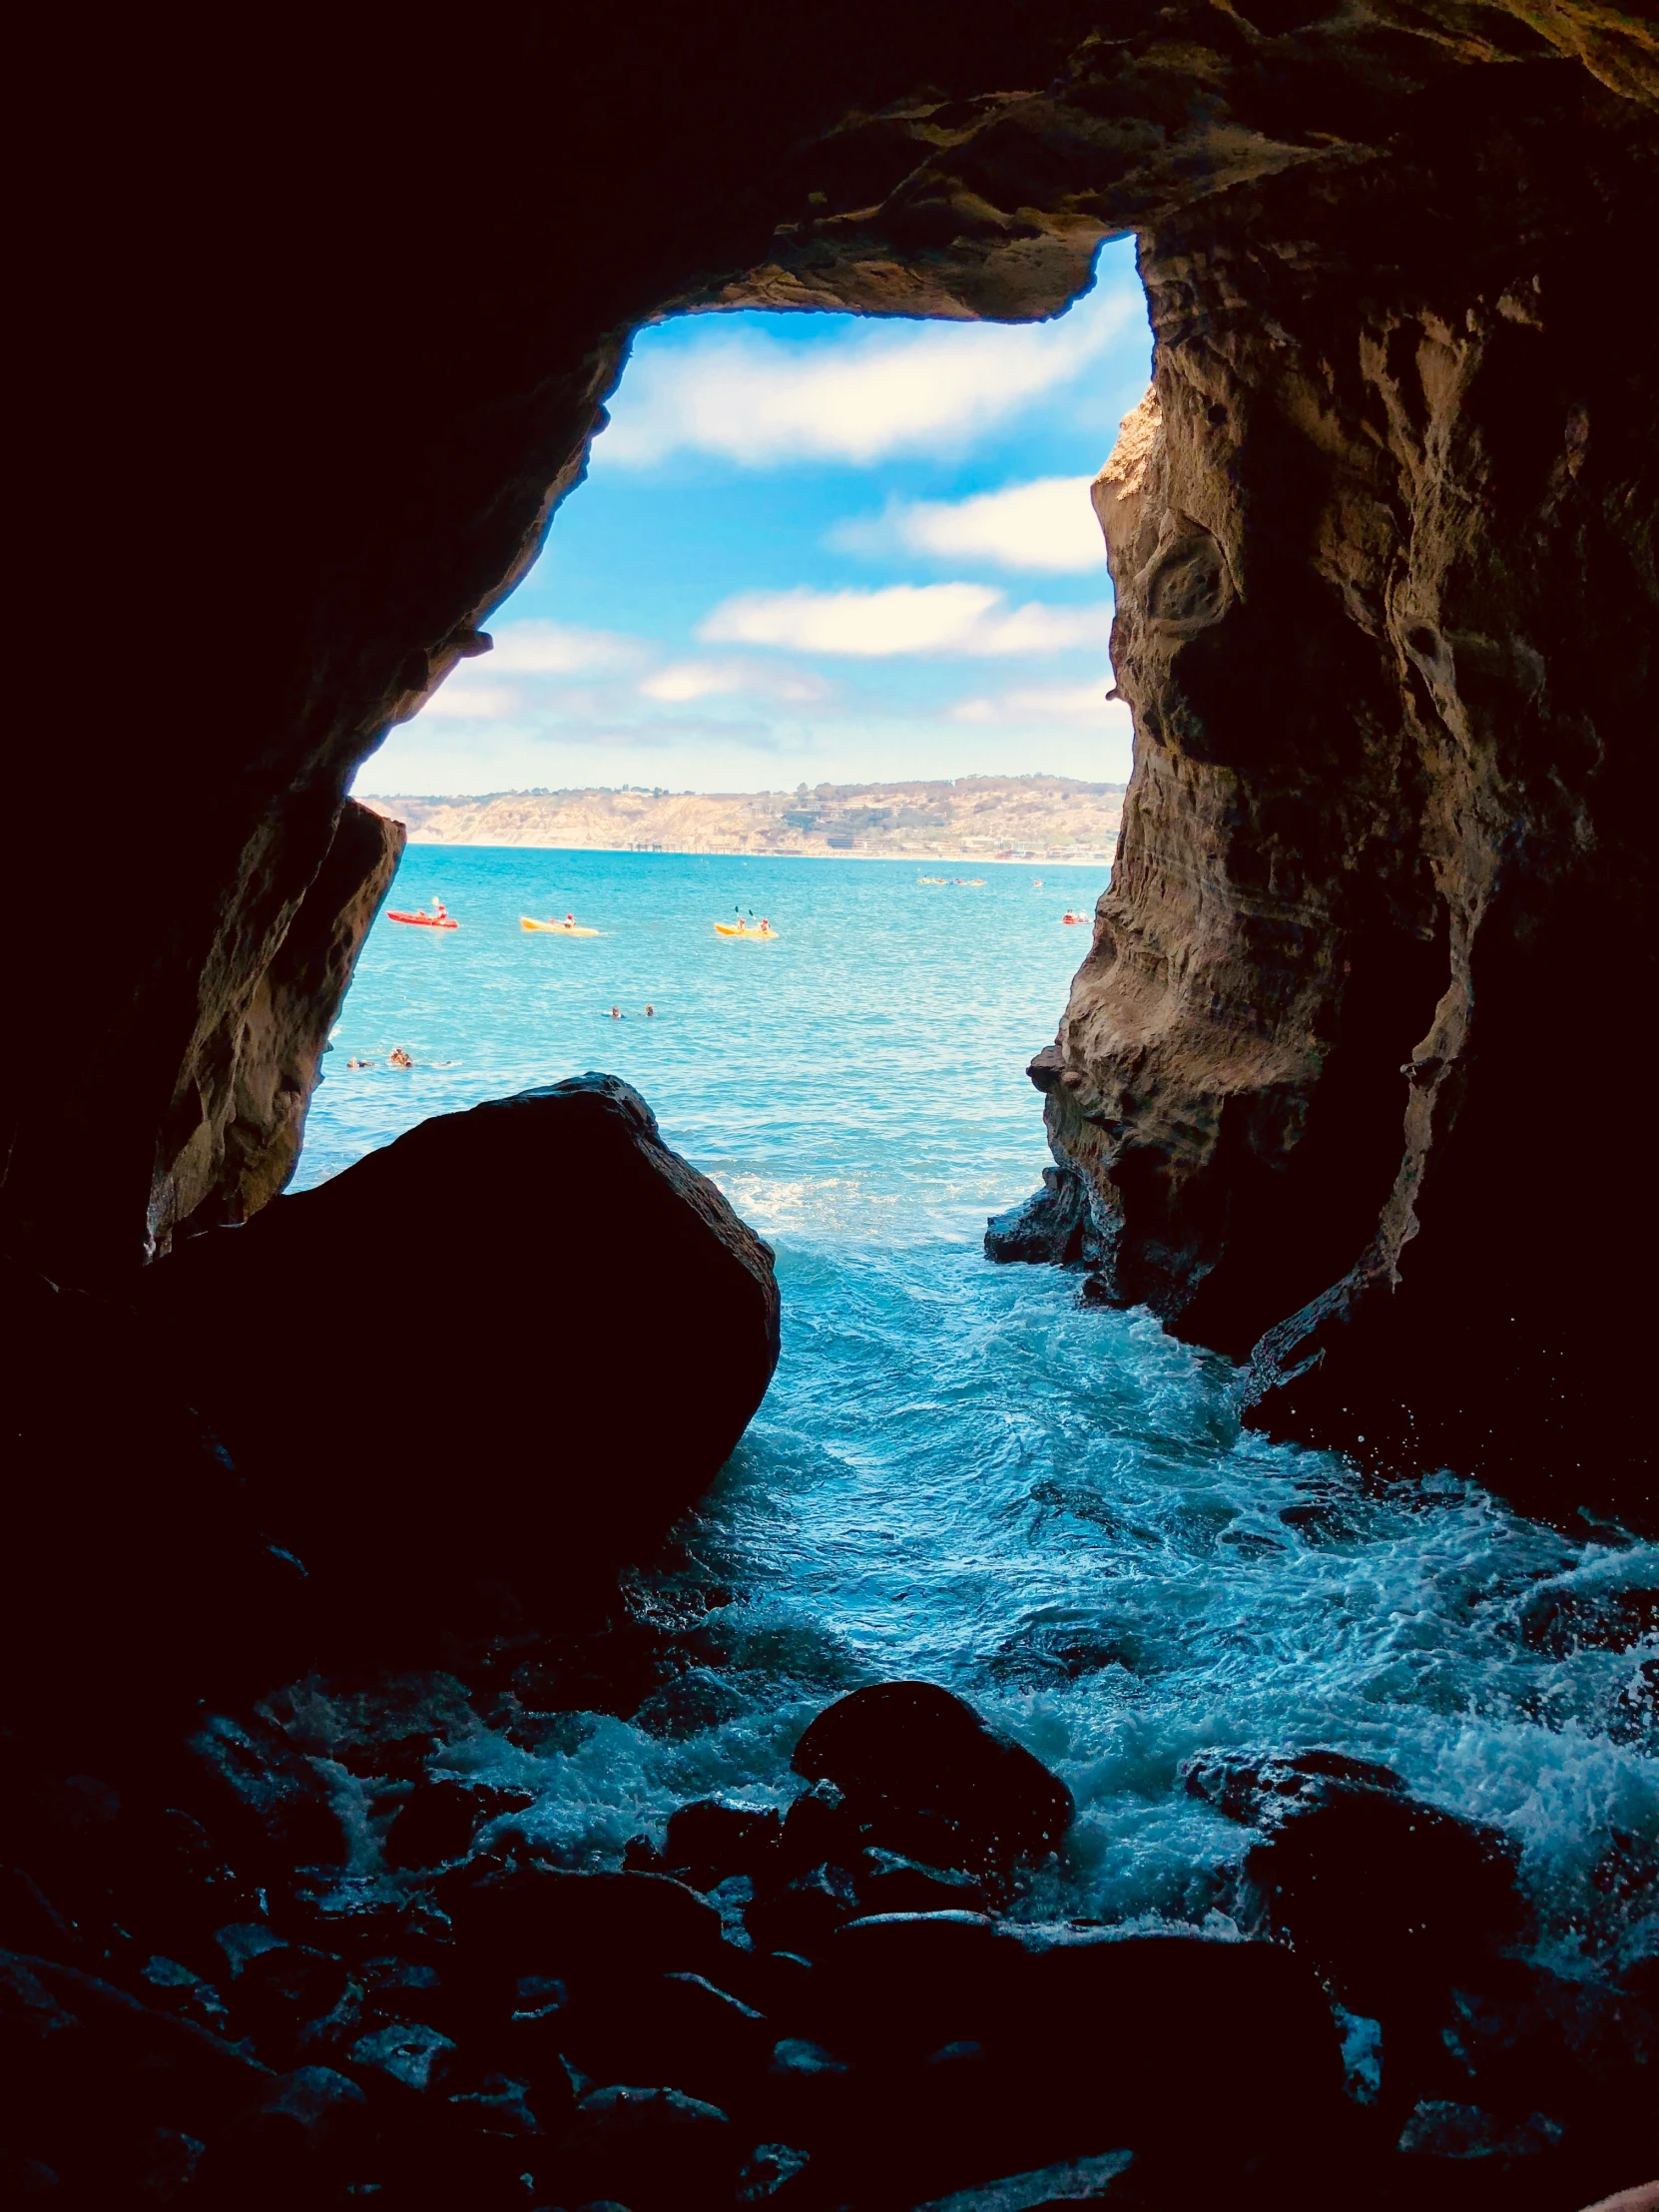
[
  {"x": 1104, "y": 2031},
  {"x": 1053, "y": 1227},
  {"x": 1589, "y": 1615},
  {"x": 1390, "y": 1898},
  {"x": 399, "y": 2057},
  {"x": 174, "y": 1988},
  {"x": 87, "y": 2071},
  {"x": 309, "y": 2129},
  {"x": 440, "y": 1820},
  {"x": 267, "y": 1799},
  {"x": 1263, "y": 1791},
  {"x": 654, "y": 2150},
  {"x": 574, "y": 1180},
  {"x": 283, "y": 1992},
  {"x": 1077, "y": 2181},
  {"x": 929, "y": 1779},
  {"x": 898, "y": 1983},
  {"x": 804, "y": 1914},
  {"x": 678, "y": 2030},
  {"x": 536, "y": 1920},
  {"x": 776, "y": 2173},
  {"x": 718, "y": 1836},
  {"x": 820, "y": 1828},
  {"x": 30, "y": 1922},
  {"x": 890, "y": 1883}
]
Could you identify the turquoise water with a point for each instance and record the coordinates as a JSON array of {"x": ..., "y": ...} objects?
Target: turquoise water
[{"x": 961, "y": 1473}]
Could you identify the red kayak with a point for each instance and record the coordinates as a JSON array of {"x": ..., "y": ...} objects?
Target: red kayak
[{"x": 422, "y": 921}]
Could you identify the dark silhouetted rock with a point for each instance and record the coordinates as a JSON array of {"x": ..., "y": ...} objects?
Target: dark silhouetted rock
[
  {"x": 676, "y": 2031},
  {"x": 820, "y": 1828},
  {"x": 718, "y": 1836},
  {"x": 929, "y": 1779},
  {"x": 149, "y": 1589},
  {"x": 268, "y": 1799},
  {"x": 1392, "y": 1899},
  {"x": 890, "y": 1883},
  {"x": 805, "y": 1913},
  {"x": 295, "y": 2145},
  {"x": 652, "y": 2149},
  {"x": 914, "y": 1981},
  {"x": 657, "y": 1348},
  {"x": 1106, "y": 2033},
  {"x": 441, "y": 1818},
  {"x": 532, "y": 1919},
  {"x": 86, "y": 2072}
]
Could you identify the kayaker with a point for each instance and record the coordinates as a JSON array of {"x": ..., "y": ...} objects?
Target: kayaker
[
  {"x": 570, "y": 922},
  {"x": 616, "y": 1014},
  {"x": 440, "y": 912},
  {"x": 765, "y": 927}
]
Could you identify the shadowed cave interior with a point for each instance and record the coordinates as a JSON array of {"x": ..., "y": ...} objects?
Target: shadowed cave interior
[{"x": 1346, "y": 1088}]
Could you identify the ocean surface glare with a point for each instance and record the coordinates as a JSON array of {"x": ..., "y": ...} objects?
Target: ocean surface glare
[{"x": 961, "y": 1473}]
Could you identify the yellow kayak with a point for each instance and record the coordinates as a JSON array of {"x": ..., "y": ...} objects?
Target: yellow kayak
[
  {"x": 557, "y": 929},
  {"x": 737, "y": 930}
]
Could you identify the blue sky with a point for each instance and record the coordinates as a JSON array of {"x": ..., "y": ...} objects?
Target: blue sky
[{"x": 816, "y": 547}]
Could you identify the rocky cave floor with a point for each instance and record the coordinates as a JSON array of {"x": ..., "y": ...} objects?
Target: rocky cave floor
[{"x": 247, "y": 1974}]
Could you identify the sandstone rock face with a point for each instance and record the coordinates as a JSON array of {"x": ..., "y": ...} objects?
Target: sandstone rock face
[
  {"x": 1386, "y": 572},
  {"x": 548, "y": 1333},
  {"x": 1386, "y": 616},
  {"x": 251, "y": 1084}
]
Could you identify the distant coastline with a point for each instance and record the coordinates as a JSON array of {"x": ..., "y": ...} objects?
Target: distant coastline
[{"x": 1018, "y": 819}]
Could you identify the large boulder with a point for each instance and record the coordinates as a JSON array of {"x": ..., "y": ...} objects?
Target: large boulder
[
  {"x": 923, "y": 1775},
  {"x": 512, "y": 1347}
]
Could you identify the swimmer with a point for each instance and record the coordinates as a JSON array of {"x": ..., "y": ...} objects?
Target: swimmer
[
  {"x": 361, "y": 1063},
  {"x": 616, "y": 1014},
  {"x": 398, "y": 1058},
  {"x": 650, "y": 1013}
]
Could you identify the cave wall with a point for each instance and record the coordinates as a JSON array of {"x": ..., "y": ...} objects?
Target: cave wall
[
  {"x": 331, "y": 311},
  {"x": 1383, "y": 537}
]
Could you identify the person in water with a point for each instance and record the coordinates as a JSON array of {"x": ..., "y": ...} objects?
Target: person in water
[
  {"x": 650, "y": 1014},
  {"x": 616, "y": 1014},
  {"x": 398, "y": 1058},
  {"x": 359, "y": 1063}
]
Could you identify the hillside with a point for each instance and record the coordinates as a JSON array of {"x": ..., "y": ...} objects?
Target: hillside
[{"x": 1014, "y": 818}]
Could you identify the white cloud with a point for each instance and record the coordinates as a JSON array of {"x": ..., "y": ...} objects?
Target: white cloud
[
  {"x": 904, "y": 618},
  {"x": 760, "y": 400},
  {"x": 1057, "y": 701},
  {"x": 1046, "y": 525},
  {"x": 555, "y": 649},
  {"x": 686, "y": 680}
]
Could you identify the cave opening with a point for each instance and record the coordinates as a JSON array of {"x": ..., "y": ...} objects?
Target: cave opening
[{"x": 1063, "y": 1747}]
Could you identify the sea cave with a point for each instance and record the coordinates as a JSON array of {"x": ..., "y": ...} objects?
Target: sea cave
[{"x": 481, "y": 1807}]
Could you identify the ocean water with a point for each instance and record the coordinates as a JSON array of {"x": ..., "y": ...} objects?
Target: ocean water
[{"x": 961, "y": 1473}]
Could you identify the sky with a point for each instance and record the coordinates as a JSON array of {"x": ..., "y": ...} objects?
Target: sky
[{"x": 815, "y": 548}]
